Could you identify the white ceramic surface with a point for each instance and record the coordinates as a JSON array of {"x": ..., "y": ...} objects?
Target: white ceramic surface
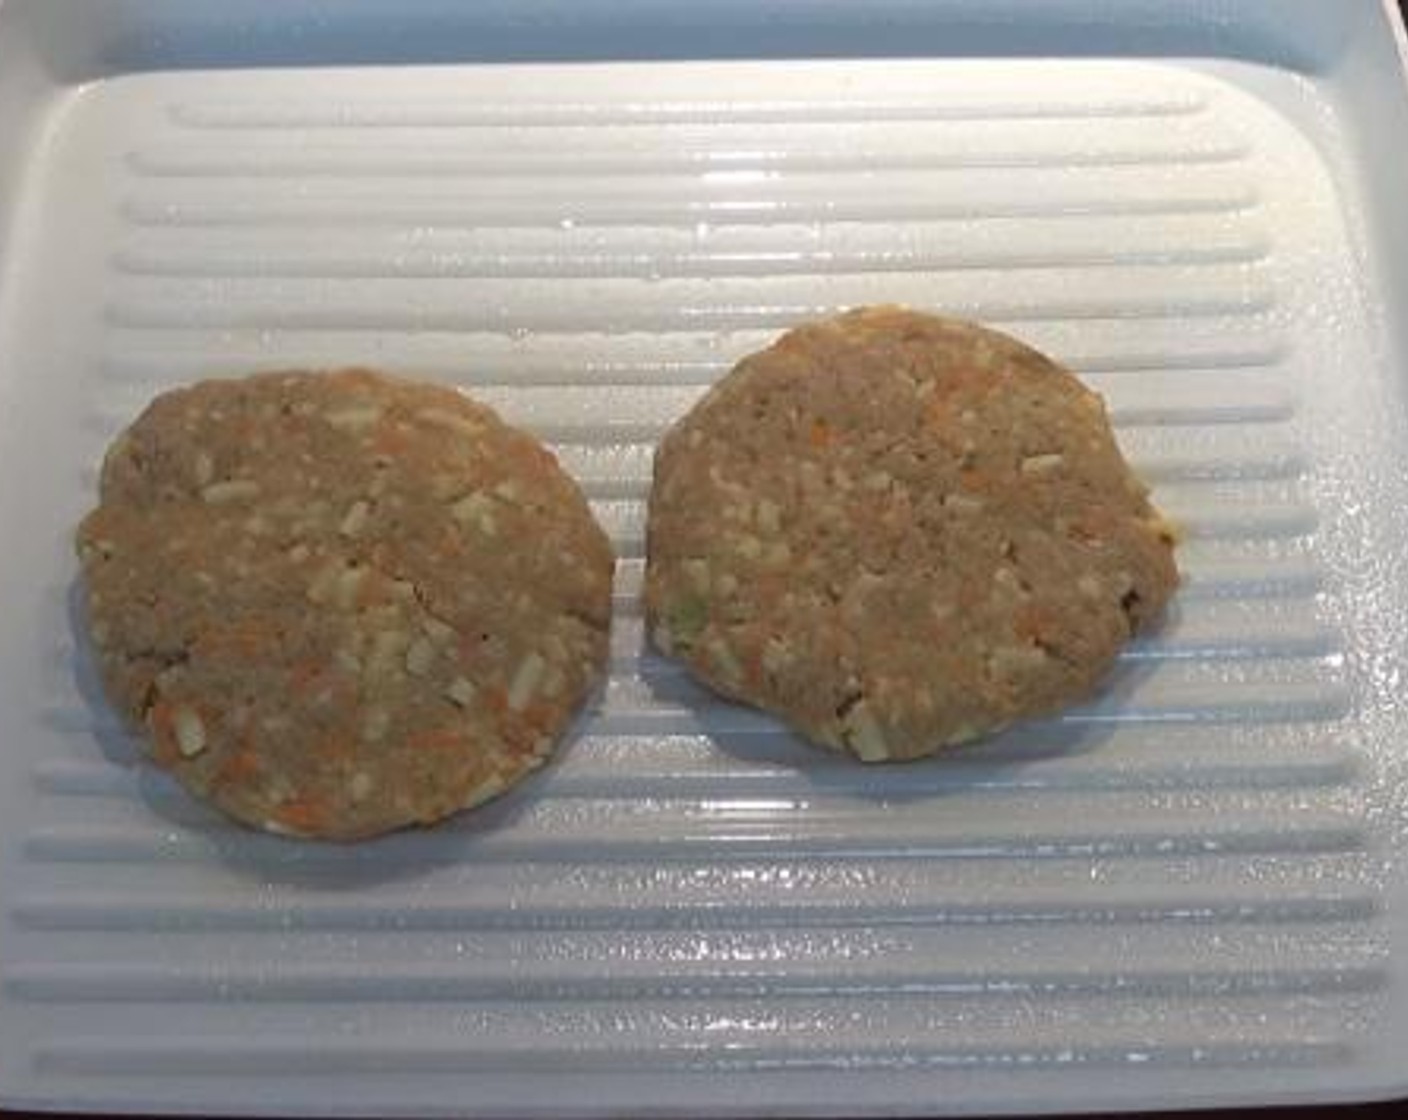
[{"x": 1187, "y": 891}]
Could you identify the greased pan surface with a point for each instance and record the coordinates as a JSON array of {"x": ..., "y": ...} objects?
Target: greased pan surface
[{"x": 1189, "y": 890}]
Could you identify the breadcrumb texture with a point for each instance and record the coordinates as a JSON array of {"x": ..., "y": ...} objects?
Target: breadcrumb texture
[
  {"x": 899, "y": 532},
  {"x": 342, "y": 603}
]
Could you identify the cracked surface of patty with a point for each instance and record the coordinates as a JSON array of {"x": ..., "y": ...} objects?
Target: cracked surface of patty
[
  {"x": 342, "y": 603},
  {"x": 899, "y": 532}
]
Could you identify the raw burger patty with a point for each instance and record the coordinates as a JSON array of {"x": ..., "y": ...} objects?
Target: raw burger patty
[
  {"x": 899, "y": 532},
  {"x": 341, "y": 603}
]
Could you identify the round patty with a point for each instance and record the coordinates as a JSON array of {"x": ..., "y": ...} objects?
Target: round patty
[
  {"x": 899, "y": 532},
  {"x": 341, "y": 603}
]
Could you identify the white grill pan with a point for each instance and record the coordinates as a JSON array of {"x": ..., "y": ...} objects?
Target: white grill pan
[{"x": 1191, "y": 890}]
